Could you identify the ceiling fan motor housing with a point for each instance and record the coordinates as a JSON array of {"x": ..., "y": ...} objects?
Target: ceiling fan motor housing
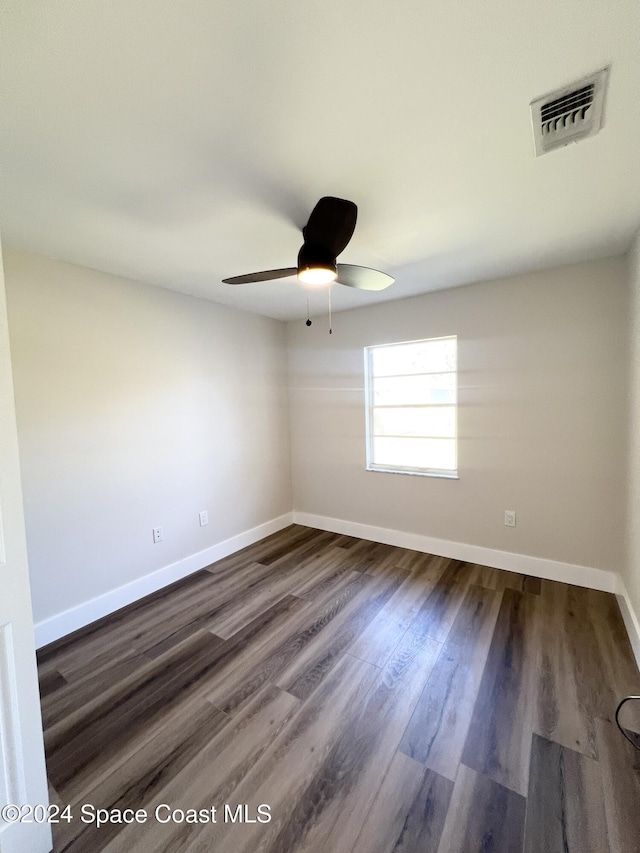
[{"x": 312, "y": 257}]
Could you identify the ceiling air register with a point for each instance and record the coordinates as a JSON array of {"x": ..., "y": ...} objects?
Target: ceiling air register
[{"x": 569, "y": 114}]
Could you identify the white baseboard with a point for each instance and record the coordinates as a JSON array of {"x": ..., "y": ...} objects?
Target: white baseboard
[
  {"x": 61, "y": 624},
  {"x": 631, "y": 622},
  {"x": 538, "y": 567},
  {"x": 77, "y": 617}
]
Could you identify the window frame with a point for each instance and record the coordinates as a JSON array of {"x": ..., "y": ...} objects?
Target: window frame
[{"x": 415, "y": 471}]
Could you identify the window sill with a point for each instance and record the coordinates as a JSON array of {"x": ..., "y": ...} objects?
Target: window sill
[{"x": 441, "y": 476}]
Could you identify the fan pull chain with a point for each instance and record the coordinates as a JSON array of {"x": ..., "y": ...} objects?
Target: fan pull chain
[
  {"x": 330, "y": 323},
  {"x": 308, "y": 323}
]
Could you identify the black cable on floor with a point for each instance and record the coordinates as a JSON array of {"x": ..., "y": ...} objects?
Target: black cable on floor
[{"x": 621, "y": 727}]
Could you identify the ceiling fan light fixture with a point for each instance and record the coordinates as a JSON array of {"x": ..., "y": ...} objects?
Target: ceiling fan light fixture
[
  {"x": 317, "y": 274},
  {"x": 316, "y": 265}
]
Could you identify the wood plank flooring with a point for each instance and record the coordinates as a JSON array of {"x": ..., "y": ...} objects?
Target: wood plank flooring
[{"x": 378, "y": 700}]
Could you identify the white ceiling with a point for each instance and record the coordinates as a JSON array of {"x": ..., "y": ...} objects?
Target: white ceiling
[{"x": 182, "y": 142}]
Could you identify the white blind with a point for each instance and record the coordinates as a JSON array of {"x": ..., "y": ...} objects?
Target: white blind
[{"x": 411, "y": 406}]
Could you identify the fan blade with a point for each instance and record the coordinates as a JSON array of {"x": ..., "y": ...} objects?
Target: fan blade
[
  {"x": 363, "y": 278},
  {"x": 331, "y": 224},
  {"x": 266, "y": 275}
]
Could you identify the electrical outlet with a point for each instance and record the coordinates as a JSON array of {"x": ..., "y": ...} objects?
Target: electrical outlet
[
  {"x": 510, "y": 517},
  {"x": 158, "y": 535},
  {"x": 204, "y": 517}
]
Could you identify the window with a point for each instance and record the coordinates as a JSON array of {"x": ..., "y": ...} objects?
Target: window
[{"x": 411, "y": 393}]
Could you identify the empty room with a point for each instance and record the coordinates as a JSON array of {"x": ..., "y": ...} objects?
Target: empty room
[{"x": 320, "y": 427}]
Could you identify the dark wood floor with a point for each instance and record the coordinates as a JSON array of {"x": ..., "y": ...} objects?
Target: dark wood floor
[{"x": 377, "y": 699}]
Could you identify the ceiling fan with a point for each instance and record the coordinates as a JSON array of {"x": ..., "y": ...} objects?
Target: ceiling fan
[{"x": 326, "y": 235}]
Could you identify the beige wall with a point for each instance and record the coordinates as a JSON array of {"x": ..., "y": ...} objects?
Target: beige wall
[
  {"x": 631, "y": 573},
  {"x": 542, "y": 393},
  {"x": 138, "y": 407}
]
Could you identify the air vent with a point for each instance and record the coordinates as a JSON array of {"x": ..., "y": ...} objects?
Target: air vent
[{"x": 569, "y": 114}]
